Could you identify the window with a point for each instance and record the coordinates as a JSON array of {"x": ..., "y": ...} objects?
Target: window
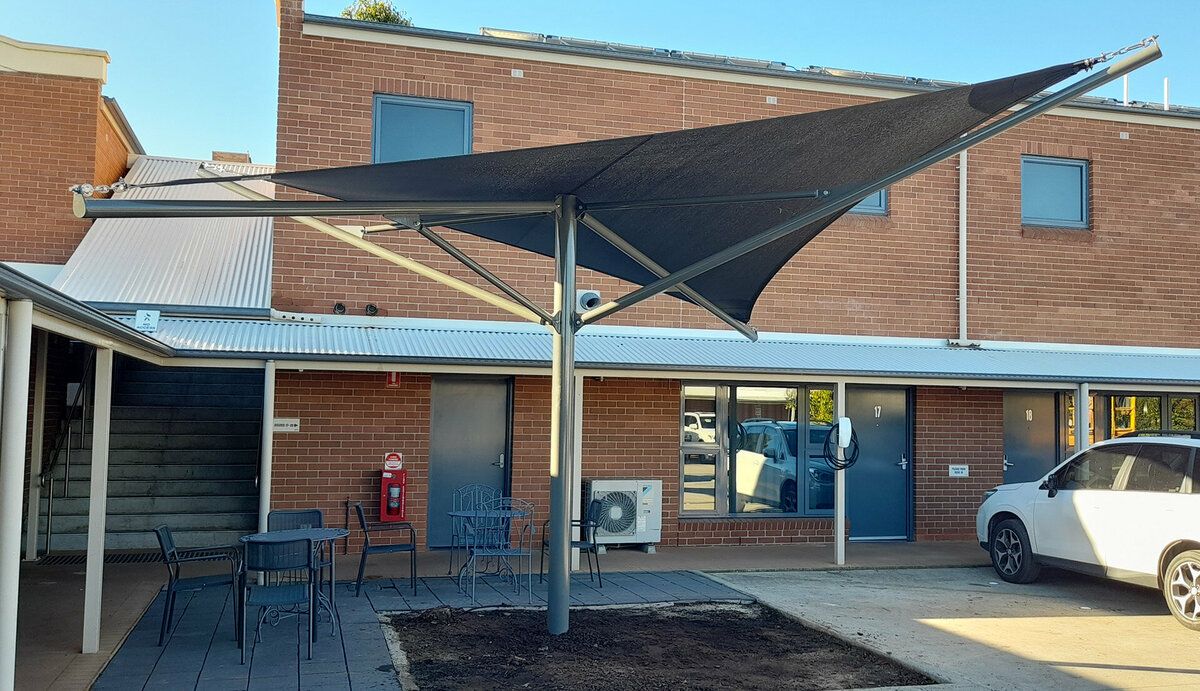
[
  {"x": 1054, "y": 192},
  {"x": 1159, "y": 468},
  {"x": 875, "y": 205},
  {"x": 407, "y": 129},
  {"x": 755, "y": 450},
  {"x": 1095, "y": 469}
]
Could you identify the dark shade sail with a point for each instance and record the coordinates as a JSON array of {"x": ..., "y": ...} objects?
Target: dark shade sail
[{"x": 829, "y": 149}]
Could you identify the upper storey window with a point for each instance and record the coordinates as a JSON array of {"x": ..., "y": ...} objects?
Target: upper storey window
[
  {"x": 407, "y": 129},
  {"x": 876, "y": 204},
  {"x": 1054, "y": 192}
]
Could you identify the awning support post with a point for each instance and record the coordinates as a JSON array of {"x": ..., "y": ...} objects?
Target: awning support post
[
  {"x": 839, "y": 488},
  {"x": 13, "y": 416},
  {"x": 1083, "y": 416},
  {"x": 562, "y": 415},
  {"x": 268, "y": 445},
  {"x": 33, "y": 507},
  {"x": 98, "y": 500}
]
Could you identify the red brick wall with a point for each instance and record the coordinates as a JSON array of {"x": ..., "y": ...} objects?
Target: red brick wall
[
  {"x": 865, "y": 275},
  {"x": 348, "y": 420},
  {"x": 959, "y": 427},
  {"x": 111, "y": 154},
  {"x": 47, "y": 144}
]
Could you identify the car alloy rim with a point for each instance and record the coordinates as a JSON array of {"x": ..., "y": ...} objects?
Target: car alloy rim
[
  {"x": 1185, "y": 590},
  {"x": 1007, "y": 551}
]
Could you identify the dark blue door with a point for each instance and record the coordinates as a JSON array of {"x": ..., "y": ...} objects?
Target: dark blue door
[
  {"x": 1030, "y": 435},
  {"x": 877, "y": 486}
]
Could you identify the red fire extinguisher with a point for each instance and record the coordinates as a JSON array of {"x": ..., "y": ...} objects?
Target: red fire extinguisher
[{"x": 393, "y": 489}]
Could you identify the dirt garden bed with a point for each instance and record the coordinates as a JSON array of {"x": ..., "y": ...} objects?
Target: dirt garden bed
[{"x": 691, "y": 646}]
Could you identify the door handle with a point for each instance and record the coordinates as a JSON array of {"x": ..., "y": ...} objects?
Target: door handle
[
  {"x": 1007, "y": 464},
  {"x": 903, "y": 462},
  {"x": 499, "y": 463}
]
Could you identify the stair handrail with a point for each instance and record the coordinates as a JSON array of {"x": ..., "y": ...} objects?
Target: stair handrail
[{"x": 64, "y": 431}]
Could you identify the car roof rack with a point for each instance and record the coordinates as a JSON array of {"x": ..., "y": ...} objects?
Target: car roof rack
[{"x": 1160, "y": 433}]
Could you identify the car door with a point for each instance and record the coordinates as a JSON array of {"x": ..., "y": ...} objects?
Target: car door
[
  {"x": 1151, "y": 510},
  {"x": 1065, "y": 525}
]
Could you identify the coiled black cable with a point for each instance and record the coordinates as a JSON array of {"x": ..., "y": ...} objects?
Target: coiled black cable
[{"x": 849, "y": 456}]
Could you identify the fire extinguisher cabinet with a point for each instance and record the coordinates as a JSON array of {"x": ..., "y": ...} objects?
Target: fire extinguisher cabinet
[{"x": 393, "y": 495}]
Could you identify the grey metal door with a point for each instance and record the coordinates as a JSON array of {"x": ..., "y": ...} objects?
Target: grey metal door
[
  {"x": 468, "y": 443},
  {"x": 1030, "y": 435},
  {"x": 877, "y": 486}
]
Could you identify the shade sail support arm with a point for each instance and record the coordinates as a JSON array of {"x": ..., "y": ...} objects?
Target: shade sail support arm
[
  {"x": 650, "y": 265},
  {"x": 445, "y": 245},
  {"x": 416, "y": 267},
  {"x": 850, "y": 195},
  {"x": 705, "y": 201},
  {"x": 85, "y": 207}
]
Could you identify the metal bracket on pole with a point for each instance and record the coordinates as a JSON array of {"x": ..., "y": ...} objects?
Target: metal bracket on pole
[{"x": 653, "y": 267}]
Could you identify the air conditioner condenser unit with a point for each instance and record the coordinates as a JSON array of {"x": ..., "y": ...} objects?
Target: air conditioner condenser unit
[{"x": 630, "y": 511}]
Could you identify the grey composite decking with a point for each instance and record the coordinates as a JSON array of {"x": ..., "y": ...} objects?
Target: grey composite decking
[{"x": 203, "y": 654}]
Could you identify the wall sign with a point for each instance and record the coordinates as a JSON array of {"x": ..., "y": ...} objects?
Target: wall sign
[
  {"x": 287, "y": 424},
  {"x": 146, "y": 321},
  {"x": 960, "y": 471}
]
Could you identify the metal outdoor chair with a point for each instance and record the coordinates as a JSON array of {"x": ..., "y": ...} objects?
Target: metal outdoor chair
[
  {"x": 586, "y": 544},
  {"x": 295, "y": 519},
  {"x": 174, "y": 558},
  {"x": 384, "y": 529},
  {"x": 501, "y": 531},
  {"x": 294, "y": 556},
  {"x": 466, "y": 498}
]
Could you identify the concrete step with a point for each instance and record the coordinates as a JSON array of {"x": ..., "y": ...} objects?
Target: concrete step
[
  {"x": 81, "y": 457},
  {"x": 186, "y": 427},
  {"x": 174, "y": 375},
  {"x": 178, "y": 441},
  {"x": 120, "y": 472},
  {"x": 175, "y": 400},
  {"x": 134, "y": 412},
  {"x": 205, "y": 388},
  {"x": 78, "y": 505},
  {"x": 124, "y": 523},
  {"x": 146, "y": 540},
  {"x": 197, "y": 491}
]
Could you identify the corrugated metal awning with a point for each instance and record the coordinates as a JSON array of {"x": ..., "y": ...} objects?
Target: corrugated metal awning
[
  {"x": 182, "y": 265},
  {"x": 453, "y": 342}
]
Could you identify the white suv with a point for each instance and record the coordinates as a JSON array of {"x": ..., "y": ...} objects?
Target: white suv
[{"x": 1127, "y": 508}]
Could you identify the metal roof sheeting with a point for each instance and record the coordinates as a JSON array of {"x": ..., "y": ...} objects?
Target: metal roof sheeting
[
  {"x": 453, "y": 342},
  {"x": 206, "y": 265}
]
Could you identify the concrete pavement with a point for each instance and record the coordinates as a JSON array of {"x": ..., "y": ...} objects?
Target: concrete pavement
[{"x": 966, "y": 627}]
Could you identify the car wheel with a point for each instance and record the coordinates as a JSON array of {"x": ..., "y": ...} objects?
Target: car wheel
[
  {"x": 1181, "y": 588},
  {"x": 1011, "y": 555},
  {"x": 787, "y": 497}
]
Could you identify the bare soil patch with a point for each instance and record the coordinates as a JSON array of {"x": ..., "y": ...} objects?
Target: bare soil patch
[{"x": 684, "y": 646}]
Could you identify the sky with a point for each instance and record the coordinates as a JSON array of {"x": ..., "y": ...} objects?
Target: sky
[{"x": 194, "y": 76}]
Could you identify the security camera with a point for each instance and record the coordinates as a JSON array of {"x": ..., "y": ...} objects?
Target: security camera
[
  {"x": 587, "y": 300},
  {"x": 339, "y": 308},
  {"x": 371, "y": 310}
]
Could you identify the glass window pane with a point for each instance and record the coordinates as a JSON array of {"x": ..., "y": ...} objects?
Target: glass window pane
[
  {"x": 819, "y": 476},
  {"x": 1183, "y": 413},
  {"x": 1054, "y": 192},
  {"x": 765, "y": 459},
  {"x": 1158, "y": 468},
  {"x": 1095, "y": 469},
  {"x": 409, "y": 129},
  {"x": 700, "y": 450},
  {"x": 875, "y": 204}
]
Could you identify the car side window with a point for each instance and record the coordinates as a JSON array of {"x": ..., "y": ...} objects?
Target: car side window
[
  {"x": 1159, "y": 468},
  {"x": 1095, "y": 469},
  {"x": 753, "y": 440}
]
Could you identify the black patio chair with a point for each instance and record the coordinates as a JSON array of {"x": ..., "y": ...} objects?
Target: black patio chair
[
  {"x": 586, "y": 544},
  {"x": 292, "y": 557},
  {"x": 384, "y": 529},
  {"x": 174, "y": 558},
  {"x": 305, "y": 518}
]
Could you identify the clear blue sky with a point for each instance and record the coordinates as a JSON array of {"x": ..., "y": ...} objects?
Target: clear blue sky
[{"x": 197, "y": 75}]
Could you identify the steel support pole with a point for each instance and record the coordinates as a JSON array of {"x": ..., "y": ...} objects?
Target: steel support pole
[
  {"x": 268, "y": 445},
  {"x": 97, "y": 501},
  {"x": 562, "y": 416},
  {"x": 14, "y": 413},
  {"x": 839, "y": 488},
  {"x": 1083, "y": 416},
  {"x": 34, "y": 505}
]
